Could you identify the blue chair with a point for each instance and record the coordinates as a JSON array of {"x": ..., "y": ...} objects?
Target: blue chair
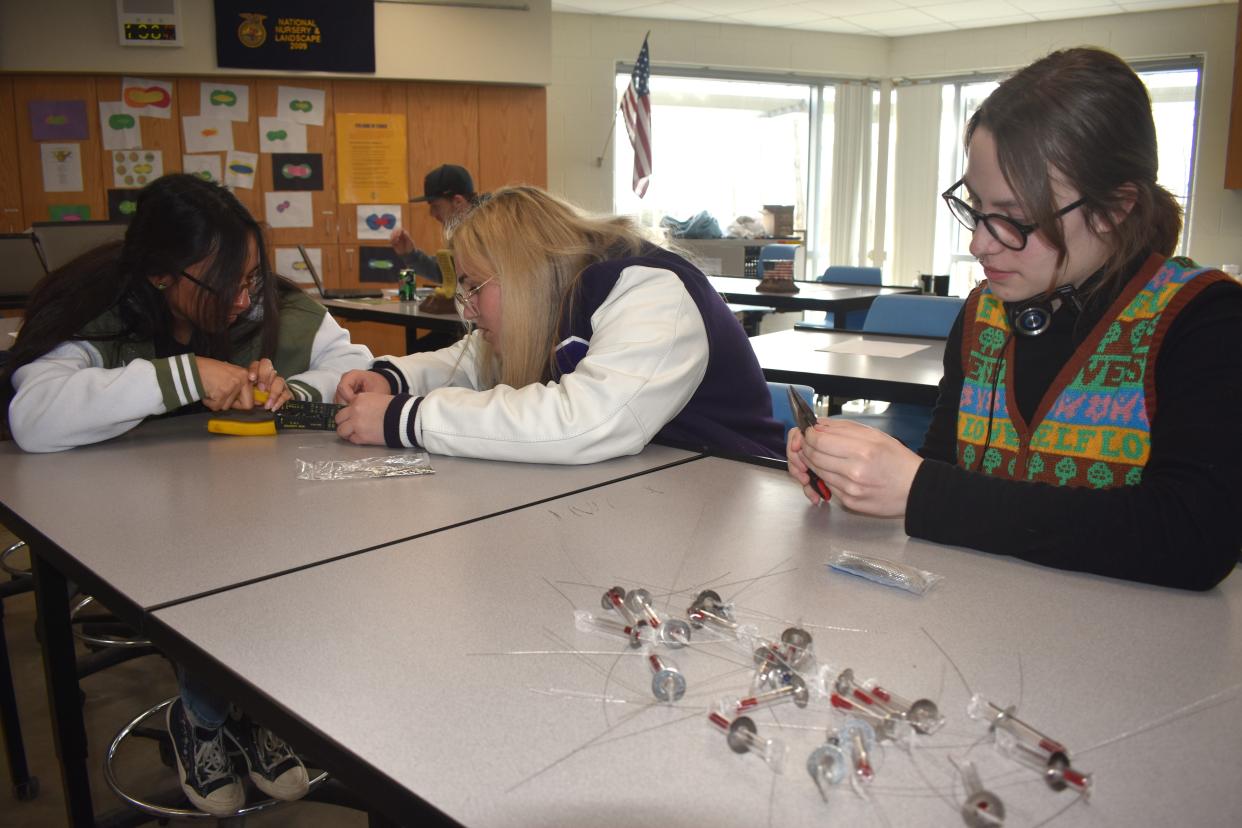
[
  {"x": 908, "y": 314},
  {"x": 781, "y": 411},
  {"x": 844, "y": 275}
]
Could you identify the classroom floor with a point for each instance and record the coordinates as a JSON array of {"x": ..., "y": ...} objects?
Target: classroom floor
[{"x": 113, "y": 697}]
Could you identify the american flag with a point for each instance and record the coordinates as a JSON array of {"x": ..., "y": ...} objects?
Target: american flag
[{"x": 636, "y": 109}]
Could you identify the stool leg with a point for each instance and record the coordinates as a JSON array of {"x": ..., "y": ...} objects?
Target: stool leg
[{"x": 25, "y": 786}]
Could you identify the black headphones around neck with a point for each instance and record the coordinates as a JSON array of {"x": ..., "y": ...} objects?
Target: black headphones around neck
[{"x": 1034, "y": 316}]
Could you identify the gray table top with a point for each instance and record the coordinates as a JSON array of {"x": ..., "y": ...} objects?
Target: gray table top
[
  {"x": 397, "y": 312},
  {"x": 457, "y": 674},
  {"x": 810, "y": 296},
  {"x": 798, "y": 357},
  {"x": 168, "y": 511}
]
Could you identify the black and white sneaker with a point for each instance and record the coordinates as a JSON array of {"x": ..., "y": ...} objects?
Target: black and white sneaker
[
  {"x": 206, "y": 775},
  {"x": 273, "y": 766}
]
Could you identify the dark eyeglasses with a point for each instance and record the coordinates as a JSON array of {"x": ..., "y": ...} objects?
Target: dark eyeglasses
[
  {"x": 252, "y": 283},
  {"x": 1012, "y": 234}
]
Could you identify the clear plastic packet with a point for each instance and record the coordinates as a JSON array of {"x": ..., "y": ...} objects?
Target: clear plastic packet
[
  {"x": 366, "y": 468},
  {"x": 884, "y": 571}
]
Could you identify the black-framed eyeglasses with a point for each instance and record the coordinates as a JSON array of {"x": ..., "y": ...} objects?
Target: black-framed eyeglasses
[
  {"x": 1010, "y": 233},
  {"x": 252, "y": 283},
  {"x": 470, "y": 298}
]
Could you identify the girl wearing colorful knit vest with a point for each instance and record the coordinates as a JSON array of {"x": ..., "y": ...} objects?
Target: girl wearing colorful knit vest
[
  {"x": 1090, "y": 414},
  {"x": 588, "y": 342},
  {"x": 183, "y": 312}
]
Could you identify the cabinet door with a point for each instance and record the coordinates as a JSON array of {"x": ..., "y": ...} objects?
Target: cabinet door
[
  {"x": 319, "y": 140},
  {"x": 513, "y": 136},
  {"x": 443, "y": 126},
  {"x": 38, "y": 204},
  {"x": 162, "y": 135},
  {"x": 12, "y": 216}
]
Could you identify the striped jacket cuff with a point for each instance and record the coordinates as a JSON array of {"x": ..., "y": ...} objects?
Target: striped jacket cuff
[
  {"x": 399, "y": 422},
  {"x": 390, "y": 372},
  {"x": 179, "y": 381},
  {"x": 302, "y": 391}
]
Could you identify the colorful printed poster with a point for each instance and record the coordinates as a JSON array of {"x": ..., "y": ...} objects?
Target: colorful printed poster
[
  {"x": 58, "y": 121},
  {"x": 289, "y": 209},
  {"x": 69, "y": 212},
  {"x": 377, "y": 221},
  {"x": 120, "y": 130},
  {"x": 136, "y": 167},
  {"x": 239, "y": 169},
  {"x": 122, "y": 204},
  {"x": 378, "y": 264},
  {"x": 297, "y": 171},
  {"x": 62, "y": 168},
  {"x": 371, "y": 158},
  {"x": 280, "y": 135},
  {"x": 206, "y": 167},
  {"x": 147, "y": 98},
  {"x": 289, "y": 263},
  {"x": 302, "y": 105},
  {"x": 206, "y": 134},
  {"x": 226, "y": 101}
]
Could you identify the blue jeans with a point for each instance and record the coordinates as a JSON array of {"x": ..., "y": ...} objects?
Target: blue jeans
[{"x": 203, "y": 706}]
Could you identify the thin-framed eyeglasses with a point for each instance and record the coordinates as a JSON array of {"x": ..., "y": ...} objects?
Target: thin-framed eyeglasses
[
  {"x": 470, "y": 298},
  {"x": 1009, "y": 232},
  {"x": 252, "y": 283}
]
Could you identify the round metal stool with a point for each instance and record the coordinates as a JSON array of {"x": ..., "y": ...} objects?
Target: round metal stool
[
  {"x": 8, "y": 567},
  {"x": 98, "y": 639},
  {"x": 166, "y": 811}
]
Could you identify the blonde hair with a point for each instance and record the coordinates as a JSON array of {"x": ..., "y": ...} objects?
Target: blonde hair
[{"x": 536, "y": 245}]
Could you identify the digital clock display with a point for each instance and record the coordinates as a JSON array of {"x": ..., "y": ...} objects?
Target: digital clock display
[{"x": 148, "y": 32}]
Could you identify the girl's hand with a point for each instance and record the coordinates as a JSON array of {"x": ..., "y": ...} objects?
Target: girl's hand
[
  {"x": 263, "y": 374},
  {"x": 225, "y": 385},
  {"x": 362, "y": 421},
  {"x": 356, "y": 382},
  {"x": 797, "y": 466},
  {"x": 869, "y": 471}
]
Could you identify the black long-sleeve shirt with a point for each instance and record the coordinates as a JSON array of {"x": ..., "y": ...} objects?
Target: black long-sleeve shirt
[{"x": 1181, "y": 526}]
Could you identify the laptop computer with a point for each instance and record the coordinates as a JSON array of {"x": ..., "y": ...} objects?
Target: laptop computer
[
  {"x": 336, "y": 293},
  {"x": 63, "y": 241},
  {"x": 20, "y": 265}
]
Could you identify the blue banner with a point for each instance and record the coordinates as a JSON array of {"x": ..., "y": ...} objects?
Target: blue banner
[{"x": 296, "y": 35}]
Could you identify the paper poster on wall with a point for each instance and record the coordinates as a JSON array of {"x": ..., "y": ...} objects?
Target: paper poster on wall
[
  {"x": 371, "y": 158},
  {"x": 302, "y": 105},
  {"x": 118, "y": 128},
  {"x": 289, "y": 209},
  {"x": 62, "y": 168},
  {"x": 224, "y": 101},
  {"x": 289, "y": 263},
  {"x": 297, "y": 171},
  {"x": 239, "y": 168},
  {"x": 122, "y": 204},
  {"x": 136, "y": 167},
  {"x": 145, "y": 98},
  {"x": 69, "y": 212},
  {"x": 377, "y": 221},
  {"x": 279, "y": 135},
  {"x": 378, "y": 264},
  {"x": 206, "y": 134},
  {"x": 58, "y": 121},
  {"x": 206, "y": 167}
]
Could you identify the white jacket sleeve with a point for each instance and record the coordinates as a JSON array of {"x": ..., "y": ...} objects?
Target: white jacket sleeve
[
  {"x": 421, "y": 373},
  {"x": 647, "y": 355},
  {"x": 66, "y": 398},
  {"x": 332, "y": 354}
]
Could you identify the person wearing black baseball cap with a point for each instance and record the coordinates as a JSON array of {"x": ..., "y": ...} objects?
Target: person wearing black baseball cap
[{"x": 449, "y": 192}]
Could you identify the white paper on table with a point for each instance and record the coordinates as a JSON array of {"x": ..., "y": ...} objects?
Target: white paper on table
[
  {"x": 206, "y": 167},
  {"x": 385, "y": 217},
  {"x": 286, "y": 209},
  {"x": 302, "y": 105},
  {"x": 136, "y": 167},
  {"x": 239, "y": 169},
  {"x": 866, "y": 347},
  {"x": 280, "y": 135},
  {"x": 290, "y": 264},
  {"x": 147, "y": 98},
  {"x": 120, "y": 129},
  {"x": 206, "y": 134},
  {"x": 225, "y": 101},
  {"x": 62, "y": 168}
]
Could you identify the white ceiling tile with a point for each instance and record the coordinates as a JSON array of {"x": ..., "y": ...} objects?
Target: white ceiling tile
[
  {"x": 609, "y": 6},
  {"x": 833, "y": 24},
  {"x": 902, "y": 19},
  {"x": 1069, "y": 8},
  {"x": 724, "y": 8},
  {"x": 966, "y": 10},
  {"x": 778, "y": 16},
  {"x": 671, "y": 11},
  {"x": 844, "y": 8}
]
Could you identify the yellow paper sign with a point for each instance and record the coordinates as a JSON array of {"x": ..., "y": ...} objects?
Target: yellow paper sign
[{"x": 371, "y": 158}]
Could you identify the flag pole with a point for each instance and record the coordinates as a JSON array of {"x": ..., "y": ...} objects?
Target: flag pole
[{"x": 612, "y": 129}]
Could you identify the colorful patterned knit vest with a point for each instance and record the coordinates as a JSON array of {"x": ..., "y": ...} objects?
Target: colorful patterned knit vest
[{"x": 1092, "y": 427}]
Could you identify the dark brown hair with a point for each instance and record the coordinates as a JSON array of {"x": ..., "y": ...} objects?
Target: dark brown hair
[{"x": 1085, "y": 114}]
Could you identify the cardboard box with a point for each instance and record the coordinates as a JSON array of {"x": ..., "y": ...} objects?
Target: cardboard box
[{"x": 778, "y": 220}]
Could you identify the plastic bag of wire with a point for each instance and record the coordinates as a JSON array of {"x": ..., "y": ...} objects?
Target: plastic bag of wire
[
  {"x": 366, "y": 468},
  {"x": 888, "y": 573}
]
